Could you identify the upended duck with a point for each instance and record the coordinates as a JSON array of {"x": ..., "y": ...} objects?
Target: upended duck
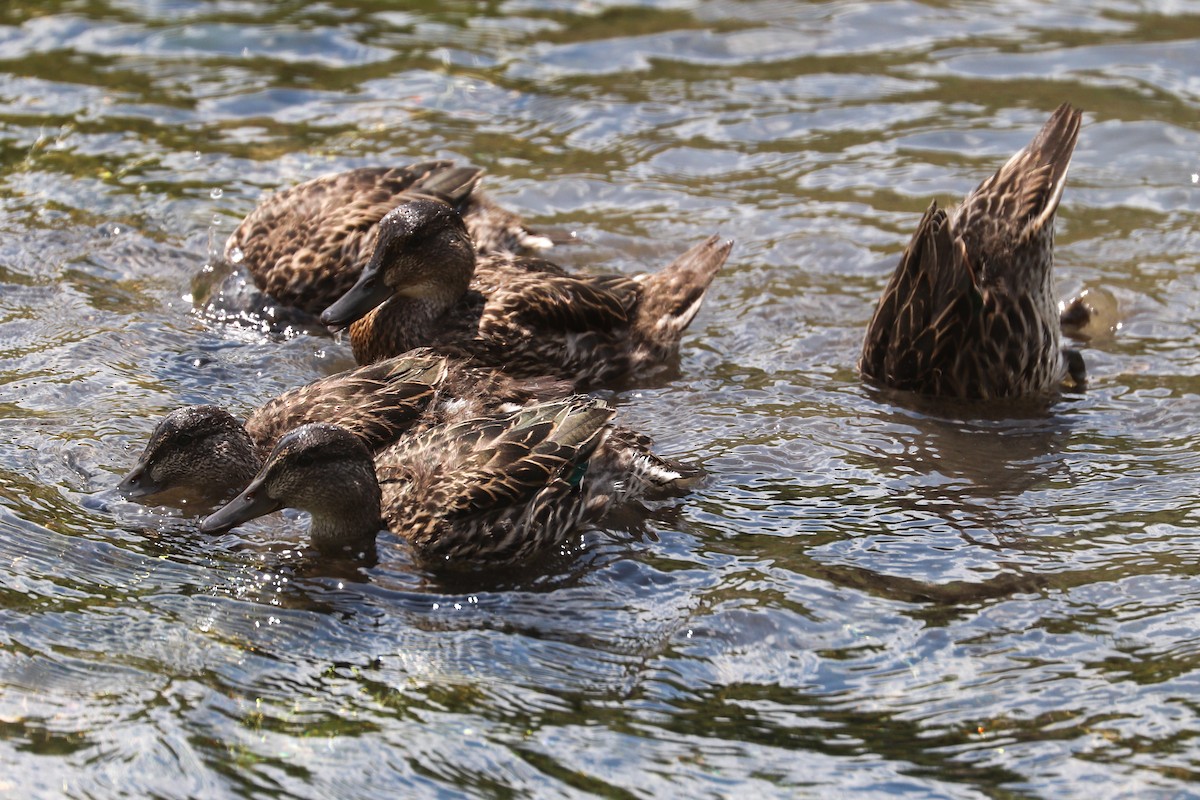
[
  {"x": 489, "y": 491},
  {"x": 305, "y": 246},
  {"x": 200, "y": 456},
  {"x": 970, "y": 311},
  {"x": 425, "y": 285}
]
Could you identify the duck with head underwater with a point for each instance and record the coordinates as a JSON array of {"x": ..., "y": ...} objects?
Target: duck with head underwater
[
  {"x": 426, "y": 286},
  {"x": 490, "y": 491},
  {"x": 970, "y": 311}
]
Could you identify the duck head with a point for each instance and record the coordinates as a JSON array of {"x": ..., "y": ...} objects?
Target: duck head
[
  {"x": 196, "y": 455},
  {"x": 423, "y": 252},
  {"x": 318, "y": 468}
]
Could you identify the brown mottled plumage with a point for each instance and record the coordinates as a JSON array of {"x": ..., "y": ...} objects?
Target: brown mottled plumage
[
  {"x": 487, "y": 491},
  {"x": 305, "y": 246},
  {"x": 970, "y": 311},
  {"x": 425, "y": 285},
  {"x": 201, "y": 455}
]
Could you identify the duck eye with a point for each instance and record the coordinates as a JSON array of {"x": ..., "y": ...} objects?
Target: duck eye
[
  {"x": 305, "y": 459},
  {"x": 188, "y": 439}
]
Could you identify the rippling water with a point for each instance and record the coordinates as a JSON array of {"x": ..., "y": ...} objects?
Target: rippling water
[{"x": 866, "y": 599}]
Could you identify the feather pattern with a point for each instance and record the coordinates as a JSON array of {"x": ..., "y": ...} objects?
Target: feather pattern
[
  {"x": 202, "y": 454},
  {"x": 970, "y": 310},
  {"x": 425, "y": 286},
  {"x": 306, "y": 245},
  {"x": 492, "y": 490}
]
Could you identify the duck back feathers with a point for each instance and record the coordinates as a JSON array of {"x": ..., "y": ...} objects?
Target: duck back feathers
[
  {"x": 380, "y": 402},
  {"x": 376, "y": 403},
  {"x": 489, "y": 491},
  {"x": 525, "y": 316}
]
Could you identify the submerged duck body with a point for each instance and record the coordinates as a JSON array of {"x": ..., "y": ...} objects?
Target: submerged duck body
[
  {"x": 488, "y": 491},
  {"x": 306, "y": 245},
  {"x": 425, "y": 286},
  {"x": 201, "y": 455},
  {"x": 970, "y": 311}
]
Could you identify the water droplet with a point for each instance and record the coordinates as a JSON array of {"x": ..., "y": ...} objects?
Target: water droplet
[
  {"x": 215, "y": 194},
  {"x": 236, "y": 255}
]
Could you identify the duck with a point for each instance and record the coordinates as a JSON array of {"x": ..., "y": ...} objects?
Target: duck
[
  {"x": 425, "y": 285},
  {"x": 490, "y": 491},
  {"x": 198, "y": 456},
  {"x": 303, "y": 247},
  {"x": 970, "y": 311}
]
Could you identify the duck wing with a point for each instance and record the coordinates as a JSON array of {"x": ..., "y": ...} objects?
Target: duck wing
[
  {"x": 494, "y": 488},
  {"x": 377, "y": 402},
  {"x": 549, "y": 300},
  {"x": 929, "y": 308}
]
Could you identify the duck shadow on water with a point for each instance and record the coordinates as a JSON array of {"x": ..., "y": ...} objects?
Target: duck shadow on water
[
  {"x": 969, "y": 467},
  {"x": 970, "y": 450}
]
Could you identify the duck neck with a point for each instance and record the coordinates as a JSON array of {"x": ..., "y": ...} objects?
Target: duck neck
[
  {"x": 349, "y": 514},
  {"x": 243, "y": 466},
  {"x": 412, "y": 317},
  {"x": 395, "y": 326}
]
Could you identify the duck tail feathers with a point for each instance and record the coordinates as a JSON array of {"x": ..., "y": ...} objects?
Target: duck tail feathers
[
  {"x": 1051, "y": 149},
  {"x": 673, "y": 295},
  {"x": 450, "y": 183}
]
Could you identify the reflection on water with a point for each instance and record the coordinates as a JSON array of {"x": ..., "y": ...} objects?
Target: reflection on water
[{"x": 870, "y": 595}]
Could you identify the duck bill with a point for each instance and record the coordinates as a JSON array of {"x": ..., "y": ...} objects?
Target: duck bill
[
  {"x": 250, "y": 504},
  {"x": 137, "y": 483},
  {"x": 363, "y": 296}
]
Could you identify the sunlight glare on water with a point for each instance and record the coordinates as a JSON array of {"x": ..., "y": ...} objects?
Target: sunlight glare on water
[{"x": 865, "y": 598}]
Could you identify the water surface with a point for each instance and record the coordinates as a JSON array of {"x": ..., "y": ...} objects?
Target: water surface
[{"x": 866, "y": 599}]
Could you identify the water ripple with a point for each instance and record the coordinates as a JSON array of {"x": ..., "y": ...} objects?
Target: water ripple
[{"x": 869, "y": 596}]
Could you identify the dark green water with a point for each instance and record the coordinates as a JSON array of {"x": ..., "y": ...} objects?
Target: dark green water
[{"x": 864, "y": 600}]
